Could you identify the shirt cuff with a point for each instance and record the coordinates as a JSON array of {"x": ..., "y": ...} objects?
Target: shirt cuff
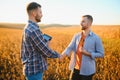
[
  {"x": 93, "y": 55},
  {"x": 58, "y": 55}
]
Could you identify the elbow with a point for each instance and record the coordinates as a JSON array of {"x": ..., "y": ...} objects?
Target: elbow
[{"x": 102, "y": 55}]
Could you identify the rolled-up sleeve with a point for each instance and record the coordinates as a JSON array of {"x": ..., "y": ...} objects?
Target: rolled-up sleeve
[
  {"x": 99, "y": 51},
  {"x": 70, "y": 47}
]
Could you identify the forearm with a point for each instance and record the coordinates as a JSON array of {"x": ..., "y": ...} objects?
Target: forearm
[
  {"x": 39, "y": 43},
  {"x": 55, "y": 55},
  {"x": 64, "y": 55},
  {"x": 84, "y": 52},
  {"x": 93, "y": 55},
  {"x": 97, "y": 55},
  {"x": 87, "y": 53}
]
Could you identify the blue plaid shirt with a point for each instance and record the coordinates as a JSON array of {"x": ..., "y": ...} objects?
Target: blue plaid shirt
[{"x": 34, "y": 50}]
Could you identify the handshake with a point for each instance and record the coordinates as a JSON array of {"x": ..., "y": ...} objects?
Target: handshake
[{"x": 61, "y": 57}]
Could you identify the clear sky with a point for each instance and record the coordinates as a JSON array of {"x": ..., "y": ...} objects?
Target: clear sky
[{"x": 63, "y": 11}]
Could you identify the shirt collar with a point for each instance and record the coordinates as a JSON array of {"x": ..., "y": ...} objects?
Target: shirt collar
[
  {"x": 90, "y": 33},
  {"x": 29, "y": 21}
]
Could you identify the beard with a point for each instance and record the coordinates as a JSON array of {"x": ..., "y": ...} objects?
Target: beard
[
  {"x": 83, "y": 28},
  {"x": 37, "y": 18}
]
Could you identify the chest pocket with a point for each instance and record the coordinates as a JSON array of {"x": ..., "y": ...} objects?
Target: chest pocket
[{"x": 89, "y": 44}]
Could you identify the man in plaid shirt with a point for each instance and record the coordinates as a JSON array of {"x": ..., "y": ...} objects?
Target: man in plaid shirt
[{"x": 34, "y": 48}]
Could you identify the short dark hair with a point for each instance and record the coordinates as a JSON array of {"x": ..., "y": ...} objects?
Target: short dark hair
[
  {"x": 89, "y": 17},
  {"x": 32, "y": 6}
]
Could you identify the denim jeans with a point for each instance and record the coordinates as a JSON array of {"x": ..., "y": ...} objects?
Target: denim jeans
[{"x": 37, "y": 76}]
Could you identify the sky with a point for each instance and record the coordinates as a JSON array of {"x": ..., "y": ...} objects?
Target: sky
[{"x": 104, "y": 12}]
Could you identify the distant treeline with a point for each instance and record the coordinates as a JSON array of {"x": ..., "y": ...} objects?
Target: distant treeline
[
  {"x": 42, "y": 26},
  {"x": 21, "y": 26}
]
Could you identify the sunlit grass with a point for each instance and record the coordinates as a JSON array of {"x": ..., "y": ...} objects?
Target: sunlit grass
[{"x": 107, "y": 67}]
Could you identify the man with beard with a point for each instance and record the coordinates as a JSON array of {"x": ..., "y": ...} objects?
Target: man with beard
[
  {"x": 86, "y": 46},
  {"x": 34, "y": 48}
]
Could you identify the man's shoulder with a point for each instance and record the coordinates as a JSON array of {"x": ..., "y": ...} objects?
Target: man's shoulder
[
  {"x": 95, "y": 35},
  {"x": 30, "y": 27}
]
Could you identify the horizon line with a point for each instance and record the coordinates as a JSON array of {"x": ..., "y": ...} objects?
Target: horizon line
[{"x": 51, "y": 23}]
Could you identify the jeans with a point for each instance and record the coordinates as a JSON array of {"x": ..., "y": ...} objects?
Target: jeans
[{"x": 37, "y": 76}]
